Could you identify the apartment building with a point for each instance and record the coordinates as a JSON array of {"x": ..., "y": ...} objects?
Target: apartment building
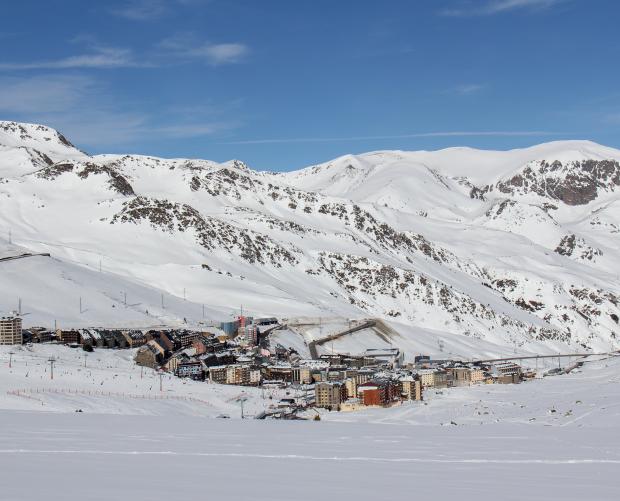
[
  {"x": 427, "y": 377},
  {"x": 412, "y": 388},
  {"x": 330, "y": 395},
  {"x": 11, "y": 330}
]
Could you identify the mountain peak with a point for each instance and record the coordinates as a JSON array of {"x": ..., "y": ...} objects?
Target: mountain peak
[{"x": 42, "y": 138}]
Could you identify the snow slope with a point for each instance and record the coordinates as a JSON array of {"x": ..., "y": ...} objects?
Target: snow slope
[
  {"x": 514, "y": 249},
  {"x": 554, "y": 438},
  {"x": 83, "y": 456},
  {"x": 109, "y": 382}
]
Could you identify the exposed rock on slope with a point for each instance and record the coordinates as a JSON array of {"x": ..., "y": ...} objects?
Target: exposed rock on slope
[{"x": 516, "y": 248}]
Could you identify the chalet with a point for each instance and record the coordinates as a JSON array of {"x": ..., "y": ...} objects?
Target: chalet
[
  {"x": 109, "y": 340},
  {"x": 86, "y": 338},
  {"x": 217, "y": 359},
  {"x": 120, "y": 341},
  {"x": 68, "y": 336},
  {"x": 200, "y": 346},
  {"x": 150, "y": 355},
  {"x": 98, "y": 341},
  {"x": 41, "y": 335},
  {"x": 134, "y": 338},
  {"x": 161, "y": 338}
]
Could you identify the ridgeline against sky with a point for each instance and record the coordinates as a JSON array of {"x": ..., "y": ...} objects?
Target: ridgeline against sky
[{"x": 283, "y": 84}]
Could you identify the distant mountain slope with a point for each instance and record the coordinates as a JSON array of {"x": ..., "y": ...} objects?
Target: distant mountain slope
[{"x": 517, "y": 248}]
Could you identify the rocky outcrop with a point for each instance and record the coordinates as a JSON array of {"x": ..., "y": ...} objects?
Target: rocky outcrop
[
  {"x": 573, "y": 183},
  {"x": 573, "y": 246},
  {"x": 210, "y": 232}
]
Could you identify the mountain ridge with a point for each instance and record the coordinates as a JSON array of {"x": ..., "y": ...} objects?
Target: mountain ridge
[{"x": 404, "y": 236}]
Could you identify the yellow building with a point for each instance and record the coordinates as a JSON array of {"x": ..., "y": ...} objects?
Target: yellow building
[
  {"x": 477, "y": 376},
  {"x": 427, "y": 377},
  {"x": 351, "y": 387},
  {"x": 412, "y": 388}
]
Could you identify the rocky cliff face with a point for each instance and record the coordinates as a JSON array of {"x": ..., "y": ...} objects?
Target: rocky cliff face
[{"x": 572, "y": 183}]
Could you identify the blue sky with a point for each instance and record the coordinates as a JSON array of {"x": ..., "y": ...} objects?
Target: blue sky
[{"x": 284, "y": 84}]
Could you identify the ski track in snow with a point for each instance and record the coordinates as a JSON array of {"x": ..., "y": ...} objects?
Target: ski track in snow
[{"x": 312, "y": 458}]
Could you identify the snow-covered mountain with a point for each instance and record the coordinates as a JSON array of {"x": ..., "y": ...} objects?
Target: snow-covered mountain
[{"x": 518, "y": 248}]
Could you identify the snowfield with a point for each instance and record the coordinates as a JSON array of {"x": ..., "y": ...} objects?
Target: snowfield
[
  {"x": 111, "y": 383},
  {"x": 554, "y": 438},
  {"x": 95, "y": 457}
]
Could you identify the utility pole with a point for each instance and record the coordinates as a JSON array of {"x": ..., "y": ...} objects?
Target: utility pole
[
  {"x": 19, "y": 306},
  {"x": 161, "y": 386},
  {"x": 51, "y": 360},
  {"x": 203, "y": 311},
  {"x": 80, "y": 304},
  {"x": 241, "y": 400},
  {"x": 84, "y": 359},
  {"x": 10, "y": 237},
  {"x": 11, "y": 359}
]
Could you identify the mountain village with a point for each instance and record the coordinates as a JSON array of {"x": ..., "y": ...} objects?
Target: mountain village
[{"x": 240, "y": 353}]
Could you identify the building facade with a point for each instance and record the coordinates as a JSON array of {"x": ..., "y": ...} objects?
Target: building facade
[
  {"x": 11, "y": 330},
  {"x": 330, "y": 395}
]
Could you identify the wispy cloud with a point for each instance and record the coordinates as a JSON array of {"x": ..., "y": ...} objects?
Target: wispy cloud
[
  {"x": 86, "y": 111},
  {"x": 532, "y": 133},
  {"x": 186, "y": 47},
  {"x": 149, "y": 10},
  {"x": 492, "y": 7},
  {"x": 99, "y": 57},
  {"x": 466, "y": 89},
  {"x": 170, "y": 51},
  {"x": 43, "y": 94}
]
